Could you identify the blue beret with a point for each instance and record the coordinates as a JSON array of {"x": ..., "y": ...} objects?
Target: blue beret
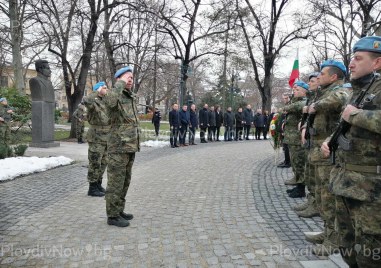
[
  {"x": 98, "y": 85},
  {"x": 314, "y": 74},
  {"x": 3, "y": 99},
  {"x": 122, "y": 71},
  {"x": 369, "y": 43},
  {"x": 334, "y": 63},
  {"x": 302, "y": 84},
  {"x": 347, "y": 85}
]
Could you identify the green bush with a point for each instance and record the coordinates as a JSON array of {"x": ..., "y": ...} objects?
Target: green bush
[
  {"x": 20, "y": 149},
  {"x": 4, "y": 151}
]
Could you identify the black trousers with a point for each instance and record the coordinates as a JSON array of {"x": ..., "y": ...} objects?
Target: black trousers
[
  {"x": 202, "y": 133},
  {"x": 218, "y": 133},
  {"x": 192, "y": 134},
  {"x": 247, "y": 131},
  {"x": 157, "y": 127},
  {"x": 287, "y": 159},
  {"x": 238, "y": 133},
  {"x": 212, "y": 133},
  {"x": 173, "y": 136},
  {"x": 258, "y": 131}
]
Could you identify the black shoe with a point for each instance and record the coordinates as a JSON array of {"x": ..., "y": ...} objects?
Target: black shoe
[
  {"x": 117, "y": 221},
  {"x": 100, "y": 188},
  {"x": 285, "y": 165},
  {"x": 247, "y": 139},
  {"x": 194, "y": 143},
  {"x": 217, "y": 140},
  {"x": 291, "y": 190},
  {"x": 172, "y": 146},
  {"x": 176, "y": 145},
  {"x": 126, "y": 216},
  {"x": 94, "y": 191},
  {"x": 298, "y": 193}
]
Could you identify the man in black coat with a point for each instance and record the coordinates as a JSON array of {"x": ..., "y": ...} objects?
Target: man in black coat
[
  {"x": 219, "y": 121},
  {"x": 259, "y": 123},
  {"x": 238, "y": 125},
  {"x": 212, "y": 125},
  {"x": 203, "y": 117},
  {"x": 174, "y": 124},
  {"x": 184, "y": 123},
  {"x": 193, "y": 124},
  {"x": 248, "y": 120},
  {"x": 156, "y": 121},
  {"x": 228, "y": 124}
]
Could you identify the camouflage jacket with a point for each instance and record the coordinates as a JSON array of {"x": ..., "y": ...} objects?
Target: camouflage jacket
[
  {"x": 365, "y": 135},
  {"x": 80, "y": 113},
  {"x": 4, "y": 113},
  {"x": 124, "y": 133},
  {"x": 328, "y": 108},
  {"x": 294, "y": 114},
  {"x": 97, "y": 116}
]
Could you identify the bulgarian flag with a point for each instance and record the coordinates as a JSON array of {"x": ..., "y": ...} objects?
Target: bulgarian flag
[{"x": 295, "y": 71}]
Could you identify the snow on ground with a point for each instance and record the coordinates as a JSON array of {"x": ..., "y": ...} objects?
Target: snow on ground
[
  {"x": 13, "y": 167},
  {"x": 157, "y": 143}
]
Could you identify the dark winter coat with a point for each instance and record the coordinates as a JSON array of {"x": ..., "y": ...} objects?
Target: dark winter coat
[
  {"x": 238, "y": 119},
  {"x": 212, "y": 118},
  {"x": 228, "y": 119},
  {"x": 259, "y": 120},
  {"x": 248, "y": 117},
  {"x": 193, "y": 119},
  {"x": 184, "y": 118},
  {"x": 174, "y": 118},
  {"x": 156, "y": 117},
  {"x": 219, "y": 118},
  {"x": 203, "y": 117}
]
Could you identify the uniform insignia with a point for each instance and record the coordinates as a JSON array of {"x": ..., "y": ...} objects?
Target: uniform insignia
[{"x": 376, "y": 44}]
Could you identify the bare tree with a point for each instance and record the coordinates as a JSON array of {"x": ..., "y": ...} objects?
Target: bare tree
[{"x": 269, "y": 39}]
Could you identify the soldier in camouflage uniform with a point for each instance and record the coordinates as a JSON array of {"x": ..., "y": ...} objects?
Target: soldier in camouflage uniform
[
  {"x": 357, "y": 181},
  {"x": 309, "y": 209},
  {"x": 80, "y": 116},
  {"x": 292, "y": 137},
  {"x": 122, "y": 144},
  {"x": 327, "y": 111},
  {"x": 97, "y": 136},
  {"x": 5, "y": 130}
]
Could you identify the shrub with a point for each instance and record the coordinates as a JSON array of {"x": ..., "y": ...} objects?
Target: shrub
[{"x": 20, "y": 149}]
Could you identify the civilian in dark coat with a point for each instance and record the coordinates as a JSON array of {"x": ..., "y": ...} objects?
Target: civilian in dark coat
[
  {"x": 156, "y": 121},
  {"x": 238, "y": 124},
  {"x": 259, "y": 123},
  {"x": 228, "y": 124},
  {"x": 184, "y": 123},
  {"x": 219, "y": 121},
  {"x": 193, "y": 124},
  {"x": 267, "y": 124},
  {"x": 174, "y": 124},
  {"x": 203, "y": 118},
  {"x": 212, "y": 125},
  {"x": 248, "y": 120}
]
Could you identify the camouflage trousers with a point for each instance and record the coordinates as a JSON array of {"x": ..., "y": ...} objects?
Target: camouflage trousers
[
  {"x": 97, "y": 156},
  {"x": 80, "y": 130},
  {"x": 298, "y": 158},
  {"x": 359, "y": 226},
  {"x": 118, "y": 180},
  {"x": 327, "y": 199},
  {"x": 309, "y": 177}
]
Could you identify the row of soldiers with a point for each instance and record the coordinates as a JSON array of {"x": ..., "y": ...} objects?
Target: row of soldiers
[
  {"x": 345, "y": 124},
  {"x": 237, "y": 125}
]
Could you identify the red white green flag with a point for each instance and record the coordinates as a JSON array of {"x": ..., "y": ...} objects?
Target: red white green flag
[{"x": 295, "y": 71}]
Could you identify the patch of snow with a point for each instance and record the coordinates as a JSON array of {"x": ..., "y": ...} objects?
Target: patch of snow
[
  {"x": 156, "y": 143},
  {"x": 13, "y": 167}
]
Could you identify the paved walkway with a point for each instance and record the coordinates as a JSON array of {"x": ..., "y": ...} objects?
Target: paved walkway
[{"x": 214, "y": 205}]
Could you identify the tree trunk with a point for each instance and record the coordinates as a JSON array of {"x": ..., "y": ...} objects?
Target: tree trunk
[{"x": 16, "y": 36}]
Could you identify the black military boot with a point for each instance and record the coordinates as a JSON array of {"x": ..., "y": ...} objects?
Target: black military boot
[
  {"x": 100, "y": 188},
  {"x": 117, "y": 221},
  {"x": 299, "y": 192},
  {"x": 126, "y": 216},
  {"x": 292, "y": 190},
  {"x": 94, "y": 191}
]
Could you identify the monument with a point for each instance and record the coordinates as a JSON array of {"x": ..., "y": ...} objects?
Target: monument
[{"x": 43, "y": 105}]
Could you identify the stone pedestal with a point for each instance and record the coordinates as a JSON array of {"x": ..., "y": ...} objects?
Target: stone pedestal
[{"x": 43, "y": 125}]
